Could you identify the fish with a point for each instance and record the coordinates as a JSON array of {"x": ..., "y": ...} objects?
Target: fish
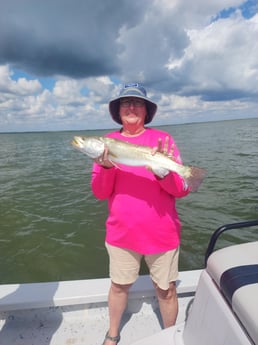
[{"x": 122, "y": 152}]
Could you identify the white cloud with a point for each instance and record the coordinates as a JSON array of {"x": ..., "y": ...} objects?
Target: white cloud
[
  {"x": 193, "y": 62},
  {"x": 227, "y": 63},
  {"x": 22, "y": 86}
]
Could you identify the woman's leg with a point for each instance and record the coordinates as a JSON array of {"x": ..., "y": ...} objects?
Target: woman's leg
[
  {"x": 164, "y": 271},
  {"x": 124, "y": 269},
  {"x": 117, "y": 302},
  {"x": 168, "y": 304}
]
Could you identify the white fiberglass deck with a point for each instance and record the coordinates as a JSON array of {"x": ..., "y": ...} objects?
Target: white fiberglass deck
[{"x": 67, "y": 313}]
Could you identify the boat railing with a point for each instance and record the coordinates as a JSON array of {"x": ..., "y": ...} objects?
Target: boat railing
[{"x": 221, "y": 230}]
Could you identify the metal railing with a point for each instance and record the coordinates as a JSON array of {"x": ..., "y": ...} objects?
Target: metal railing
[{"x": 221, "y": 230}]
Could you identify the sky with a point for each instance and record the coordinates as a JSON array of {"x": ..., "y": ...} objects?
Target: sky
[{"x": 61, "y": 61}]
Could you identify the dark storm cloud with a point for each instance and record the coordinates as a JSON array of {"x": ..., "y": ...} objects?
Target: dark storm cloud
[
  {"x": 73, "y": 38},
  {"x": 189, "y": 57}
]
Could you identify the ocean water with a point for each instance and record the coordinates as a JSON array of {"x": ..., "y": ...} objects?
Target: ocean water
[{"x": 52, "y": 228}]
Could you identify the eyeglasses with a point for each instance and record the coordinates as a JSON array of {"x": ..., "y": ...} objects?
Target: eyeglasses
[{"x": 136, "y": 103}]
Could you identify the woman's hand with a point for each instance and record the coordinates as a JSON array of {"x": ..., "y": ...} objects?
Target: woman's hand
[
  {"x": 159, "y": 171},
  {"x": 103, "y": 160},
  {"x": 164, "y": 150}
]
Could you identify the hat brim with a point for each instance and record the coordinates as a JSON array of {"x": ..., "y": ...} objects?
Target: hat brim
[{"x": 114, "y": 106}]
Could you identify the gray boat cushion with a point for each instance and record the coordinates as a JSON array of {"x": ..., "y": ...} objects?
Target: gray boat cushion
[{"x": 235, "y": 271}]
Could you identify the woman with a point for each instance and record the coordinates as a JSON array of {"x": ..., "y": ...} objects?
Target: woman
[{"x": 142, "y": 220}]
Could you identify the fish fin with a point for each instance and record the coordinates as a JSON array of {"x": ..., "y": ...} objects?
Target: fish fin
[
  {"x": 195, "y": 180},
  {"x": 111, "y": 161},
  {"x": 115, "y": 165}
]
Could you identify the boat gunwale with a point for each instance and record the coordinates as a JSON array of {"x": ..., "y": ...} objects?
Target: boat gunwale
[{"x": 75, "y": 292}]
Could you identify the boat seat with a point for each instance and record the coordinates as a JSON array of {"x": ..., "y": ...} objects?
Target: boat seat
[{"x": 235, "y": 271}]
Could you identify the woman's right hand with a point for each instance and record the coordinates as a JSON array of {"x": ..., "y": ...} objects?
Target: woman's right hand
[{"x": 103, "y": 160}]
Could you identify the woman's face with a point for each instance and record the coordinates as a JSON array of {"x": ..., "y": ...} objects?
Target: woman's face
[{"x": 132, "y": 111}]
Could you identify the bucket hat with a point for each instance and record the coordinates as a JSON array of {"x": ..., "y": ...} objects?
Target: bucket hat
[{"x": 132, "y": 90}]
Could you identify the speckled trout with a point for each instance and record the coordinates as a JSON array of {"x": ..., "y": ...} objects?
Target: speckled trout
[{"x": 121, "y": 152}]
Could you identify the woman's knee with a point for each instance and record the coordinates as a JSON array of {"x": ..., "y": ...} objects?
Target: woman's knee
[
  {"x": 166, "y": 294},
  {"x": 120, "y": 288}
]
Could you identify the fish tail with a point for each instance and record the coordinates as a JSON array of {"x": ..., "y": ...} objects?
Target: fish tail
[{"x": 196, "y": 178}]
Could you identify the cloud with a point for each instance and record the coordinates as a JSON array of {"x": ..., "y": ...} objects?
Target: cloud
[
  {"x": 9, "y": 87},
  {"x": 62, "y": 37},
  {"x": 72, "y": 104},
  {"x": 225, "y": 68},
  {"x": 87, "y": 38},
  {"x": 196, "y": 62}
]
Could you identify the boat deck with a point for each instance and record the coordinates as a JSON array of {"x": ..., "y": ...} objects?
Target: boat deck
[
  {"x": 75, "y": 325},
  {"x": 72, "y": 315}
]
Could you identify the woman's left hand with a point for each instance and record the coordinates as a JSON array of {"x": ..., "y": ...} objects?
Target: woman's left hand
[
  {"x": 164, "y": 149},
  {"x": 159, "y": 171}
]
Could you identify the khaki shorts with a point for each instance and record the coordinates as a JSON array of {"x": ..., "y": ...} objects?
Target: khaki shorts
[{"x": 124, "y": 266}]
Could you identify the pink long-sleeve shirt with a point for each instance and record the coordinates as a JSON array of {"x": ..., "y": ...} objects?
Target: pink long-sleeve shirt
[{"x": 142, "y": 208}]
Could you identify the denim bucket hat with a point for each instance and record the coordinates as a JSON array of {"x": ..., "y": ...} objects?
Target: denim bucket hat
[{"x": 132, "y": 90}]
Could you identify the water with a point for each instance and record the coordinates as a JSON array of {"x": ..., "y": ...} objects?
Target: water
[{"x": 52, "y": 228}]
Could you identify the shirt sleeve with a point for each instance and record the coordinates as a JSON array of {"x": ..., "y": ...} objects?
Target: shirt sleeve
[
  {"x": 174, "y": 185},
  {"x": 102, "y": 181}
]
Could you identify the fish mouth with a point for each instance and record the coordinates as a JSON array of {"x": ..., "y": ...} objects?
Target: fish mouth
[{"x": 77, "y": 142}]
